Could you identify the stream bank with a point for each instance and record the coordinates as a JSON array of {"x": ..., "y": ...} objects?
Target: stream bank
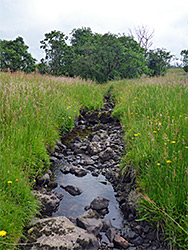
[{"x": 87, "y": 204}]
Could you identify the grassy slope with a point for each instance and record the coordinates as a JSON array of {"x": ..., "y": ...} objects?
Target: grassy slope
[
  {"x": 33, "y": 109},
  {"x": 154, "y": 113}
]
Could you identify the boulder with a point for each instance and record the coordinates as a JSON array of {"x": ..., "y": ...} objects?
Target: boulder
[
  {"x": 49, "y": 201},
  {"x": 59, "y": 233},
  {"x": 72, "y": 190},
  {"x": 99, "y": 203}
]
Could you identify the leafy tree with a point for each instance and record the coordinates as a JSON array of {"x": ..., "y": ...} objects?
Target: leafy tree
[
  {"x": 106, "y": 57},
  {"x": 184, "y": 53},
  {"x": 14, "y": 56},
  {"x": 158, "y": 61},
  {"x": 55, "y": 47}
]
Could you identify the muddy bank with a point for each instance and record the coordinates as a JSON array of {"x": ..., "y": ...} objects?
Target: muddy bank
[{"x": 72, "y": 195}]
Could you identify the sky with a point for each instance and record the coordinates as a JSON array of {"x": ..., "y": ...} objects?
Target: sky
[{"x": 31, "y": 19}]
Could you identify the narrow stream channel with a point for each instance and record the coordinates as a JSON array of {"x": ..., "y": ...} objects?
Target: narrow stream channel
[{"x": 73, "y": 206}]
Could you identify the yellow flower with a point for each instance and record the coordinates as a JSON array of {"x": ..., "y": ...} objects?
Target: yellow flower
[
  {"x": 9, "y": 182},
  {"x": 154, "y": 132},
  {"x": 3, "y": 233},
  {"x": 135, "y": 134},
  {"x": 158, "y": 164},
  {"x": 16, "y": 179},
  {"x": 173, "y": 141},
  {"x": 165, "y": 143},
  {"x": 34, "y": 180},
  {"x": 186, "y": 146},
  {"x": 69, "y": 117},
  {"x": 168, "y": 161}
]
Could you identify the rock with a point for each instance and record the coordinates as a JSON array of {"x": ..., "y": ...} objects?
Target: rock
[
  {"x": 106, "y": 155},
  {"x": 94, "y": 148},
  {"x": 119, "y": 240},
  {"x": 72, "y": 190},
  {"x": 44, "y": 180},
  {"x": 49, "y": 201},
  {"x": 105, "y": 117},
  {"x": 65, "y": 169},
  {"x": 92, "y": 225},
  {"x": 106, "y": 225},
  {"x": 99, "y": 203},
  {"x": 110, "y": 233},
  {"x": 59, "y": 233},
  {"x": 80, "y": 172},
  {"x": 52, "y": 184},
  {"x": 53, "y": 159}
]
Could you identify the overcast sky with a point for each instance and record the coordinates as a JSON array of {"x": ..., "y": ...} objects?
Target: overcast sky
[{"x": 31, "y": 19}]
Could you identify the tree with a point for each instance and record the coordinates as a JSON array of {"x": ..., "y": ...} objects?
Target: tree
[
  {"x": 14, "y": 56},
  {"x": 158, "y": 61},
  {"x": 184, "y": 53},
  {"x": 55, "y": 48},
  {"x": 144, "y": 36},
  {"x": 106, "y": 57}
]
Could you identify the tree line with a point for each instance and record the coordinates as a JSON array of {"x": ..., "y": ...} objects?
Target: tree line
[{"x": 88, "y": 55}]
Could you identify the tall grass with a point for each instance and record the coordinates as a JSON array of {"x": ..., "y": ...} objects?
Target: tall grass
[
  {"x": 33, "y": 111},
  {"x": 154, "y": 113}
]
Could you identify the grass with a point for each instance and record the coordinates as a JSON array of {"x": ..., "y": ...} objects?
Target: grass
[
  {"x": 154, "y": 114},
  {"x": 34, "y": 110}
]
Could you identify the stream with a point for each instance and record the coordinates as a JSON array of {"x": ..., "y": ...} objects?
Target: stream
[{"x": 86, "y": 202}]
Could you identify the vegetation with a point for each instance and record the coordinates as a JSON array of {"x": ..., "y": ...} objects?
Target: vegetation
[
  {"x": 34, "y": 109},
  {"x": 154, "y": 114},
  {"x": 184, "y": 53},
  {"x": 89, "y": 55},
  {"x": 15, "y": 57}
]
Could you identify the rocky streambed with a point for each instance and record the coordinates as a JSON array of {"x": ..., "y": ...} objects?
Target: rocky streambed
[{"x": 86, "y": 203}]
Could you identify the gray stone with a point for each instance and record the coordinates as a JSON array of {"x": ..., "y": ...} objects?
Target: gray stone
[
  {"x": 94, "y": 148},
  {"x": 72, "y": 190},
  {"x": 49, "y": 201},
  {"x": 59, "y": 233},
  {"x": 121, "y": 241},
  {"x": 44, "y": 180},
  {"x": 80, "y": 172},
  {"x": 99, "y": 203},
  {"x": 92, "y": 225},
  {"x": 107, "y": 154}
]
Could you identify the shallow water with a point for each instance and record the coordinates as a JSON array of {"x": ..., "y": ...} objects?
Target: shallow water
[{"x": 91, "y": 187}]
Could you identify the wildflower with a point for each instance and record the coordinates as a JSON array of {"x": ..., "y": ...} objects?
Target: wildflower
[
  {"x": 158, "y": 164},
  {"x": 165, "y": 143},
  {"x": 168, "y": 161},
  {"x": 135, "y": 134},
  {"x": 34, "y": 180},
  {"x": 16, "y": 179},
  {"x": 186, "y": 146},
  {"x": 173, "y": 142},
  {"x": 154, "y": 132},
  {"x": 3, "y": 233},
  {"x": 180, "y": 115},
  {"x": 9, "y": 182},
  {"x": 160, "y": 123},
  {"x": 69, "y": 117}
]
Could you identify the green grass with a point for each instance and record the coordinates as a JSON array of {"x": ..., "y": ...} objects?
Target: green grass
[
  {"x": 34, "y": 110},
  {"x": 154, "y": 114}
]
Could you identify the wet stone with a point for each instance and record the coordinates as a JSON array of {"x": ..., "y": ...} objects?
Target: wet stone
[{"x": 72, "y": 190}]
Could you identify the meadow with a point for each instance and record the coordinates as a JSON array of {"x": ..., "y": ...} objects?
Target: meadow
[
  {"x": 35, "y": 109},
  {"x": 154, "y": 114}
]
